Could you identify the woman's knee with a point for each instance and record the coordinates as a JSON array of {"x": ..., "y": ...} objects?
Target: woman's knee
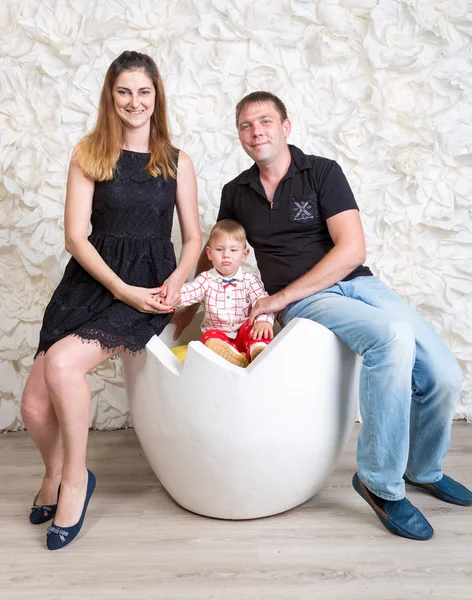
[
  {"x": 35, "y": 402},
  {"x": 59, "y": 370},
  {"x": 29, "y": 408},
  {"x": 36, "y": 407}
]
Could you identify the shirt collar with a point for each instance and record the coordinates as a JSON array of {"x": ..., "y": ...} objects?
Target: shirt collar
[
  {"x": 300, "y": 162},
  {"x": 238, "y": 276}
]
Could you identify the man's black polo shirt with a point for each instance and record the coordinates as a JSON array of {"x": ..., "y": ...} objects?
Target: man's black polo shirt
[{"x": 292, "y": 237}]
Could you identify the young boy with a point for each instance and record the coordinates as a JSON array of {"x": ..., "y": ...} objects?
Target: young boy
[{"x": 228, "y": 292}]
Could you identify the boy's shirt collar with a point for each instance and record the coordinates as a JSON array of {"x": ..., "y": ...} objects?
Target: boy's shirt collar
[{"x": 238, "y": 276}]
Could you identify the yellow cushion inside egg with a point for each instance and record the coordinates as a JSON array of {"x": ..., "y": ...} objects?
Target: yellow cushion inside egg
[{"x": 180, "y": 352}]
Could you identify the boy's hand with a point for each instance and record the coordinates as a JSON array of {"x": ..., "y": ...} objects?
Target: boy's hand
[
  {"x": 262, "y": 331},
  {"x": 169, "y": 292}
]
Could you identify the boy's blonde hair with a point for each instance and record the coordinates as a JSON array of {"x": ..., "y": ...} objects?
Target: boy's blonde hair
[{"x": 229, "y": 228}]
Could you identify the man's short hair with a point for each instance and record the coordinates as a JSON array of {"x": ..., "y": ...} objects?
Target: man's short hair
[
  {"x": 259, "y": 98},
  {"x": 229, "y": 228}
]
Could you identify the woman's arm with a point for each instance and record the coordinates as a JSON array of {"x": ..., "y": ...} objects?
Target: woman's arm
[
  {"x": 78, "y": 210},
  {"x": 187, "y": 212}
]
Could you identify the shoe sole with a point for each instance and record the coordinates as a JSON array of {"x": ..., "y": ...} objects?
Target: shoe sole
[
  {"x": 227, "y": 352},
  {"x": 386, "y": 521}
]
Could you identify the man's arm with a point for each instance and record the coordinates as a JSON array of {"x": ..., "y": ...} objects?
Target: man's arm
[{"x": 347, "y": 234}]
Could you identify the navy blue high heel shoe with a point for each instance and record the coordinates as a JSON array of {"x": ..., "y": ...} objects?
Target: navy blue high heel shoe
[
  {"x": 42, "y": 513},
  {"x": 58, "y": 537}
]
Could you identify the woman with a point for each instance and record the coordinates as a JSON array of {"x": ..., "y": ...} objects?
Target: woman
[{"x": 121, "y": 282}]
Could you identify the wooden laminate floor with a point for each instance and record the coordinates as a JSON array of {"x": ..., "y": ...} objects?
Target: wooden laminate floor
[{"x": 138, "y": 544}]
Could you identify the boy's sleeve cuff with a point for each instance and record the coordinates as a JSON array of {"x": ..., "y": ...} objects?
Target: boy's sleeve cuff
[{"x": 266, "y": 318}]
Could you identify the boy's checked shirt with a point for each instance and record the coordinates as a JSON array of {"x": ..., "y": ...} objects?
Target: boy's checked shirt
[{"x": 227, "y": 301}]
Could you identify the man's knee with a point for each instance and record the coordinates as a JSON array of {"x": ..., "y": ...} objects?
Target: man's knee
[
  {"x": 448, "y": 377},
  {"x": 394, "y": 336}
]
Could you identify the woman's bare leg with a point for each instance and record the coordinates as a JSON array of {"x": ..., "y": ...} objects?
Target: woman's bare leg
[
  {"x": 41, "y": 422},
  {"x": 66, "y": 365}
]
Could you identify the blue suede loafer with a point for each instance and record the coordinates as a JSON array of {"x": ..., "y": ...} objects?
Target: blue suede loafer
[
  {"x": 59, "y": 537},
  {"x": 42, "y": 513},
  {"x": 399, "y": 516},
  {"x": 446, "y": 489}
]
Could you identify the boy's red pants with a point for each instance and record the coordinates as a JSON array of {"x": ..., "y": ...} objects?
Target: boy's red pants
[{"x": 242, "y": 343}]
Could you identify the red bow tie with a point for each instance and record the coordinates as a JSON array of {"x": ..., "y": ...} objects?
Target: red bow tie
[{"x": 227, "y": 282}]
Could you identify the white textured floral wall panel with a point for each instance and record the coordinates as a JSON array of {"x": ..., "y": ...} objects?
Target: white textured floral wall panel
[{"x": 384, "y": 87}]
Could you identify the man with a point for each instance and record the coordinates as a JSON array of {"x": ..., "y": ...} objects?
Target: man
[{"x": 303, "y": 222}]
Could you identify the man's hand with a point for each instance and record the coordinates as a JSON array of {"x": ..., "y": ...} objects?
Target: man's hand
[
  {"x": 262, "y": 331},
  {"x": 271, "y": 304},
  {"x": 182, "y": 318}
]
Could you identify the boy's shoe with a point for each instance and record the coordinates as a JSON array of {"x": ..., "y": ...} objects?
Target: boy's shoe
[
  {"x": 446, "y": 489},
  {"x": 256, "y": 349},
  {"x": 398, "y": 516},
  {"x": 227, "y": 352}
]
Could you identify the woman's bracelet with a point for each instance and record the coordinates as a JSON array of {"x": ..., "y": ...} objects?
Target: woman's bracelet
[{"x": 109, "y": 285}]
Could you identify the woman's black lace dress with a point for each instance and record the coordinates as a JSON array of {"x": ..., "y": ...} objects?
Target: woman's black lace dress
[{"x": 131, "y": 229}]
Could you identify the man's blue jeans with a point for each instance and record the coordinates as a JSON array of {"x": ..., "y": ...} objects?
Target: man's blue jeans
[{"x": 410, "y": 382}]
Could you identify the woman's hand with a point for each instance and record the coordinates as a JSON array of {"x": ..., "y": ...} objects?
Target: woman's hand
[
  {"x": 262, "y": 331},
  {"x": 145, "y": 300}
]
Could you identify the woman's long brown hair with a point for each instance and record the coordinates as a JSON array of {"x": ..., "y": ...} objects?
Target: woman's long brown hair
[{"x": 98, "y": 152}]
